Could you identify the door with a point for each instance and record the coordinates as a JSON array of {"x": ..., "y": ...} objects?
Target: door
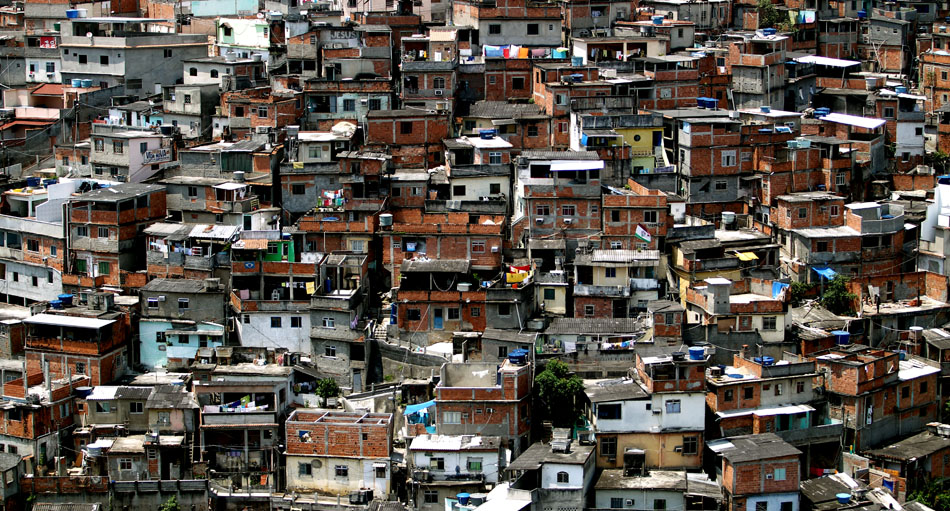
[
  {"x": 357, "y": 381},
  {"x": 437, "y": 319}
]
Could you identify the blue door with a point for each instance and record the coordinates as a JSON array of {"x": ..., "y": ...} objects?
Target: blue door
[{"x": 437, "y": 319}]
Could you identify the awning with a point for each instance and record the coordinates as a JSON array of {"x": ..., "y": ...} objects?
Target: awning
[
  {"x": 855, "y": 120},
  {"x": 825, "y": 272},
  {"x": 503, "y": 122},
  {"x": 777, "y": 288},
  {"x": 411, "y": 409},
  {"x": 229, "y": 186},
  {"x": 747, "y": 256},
  {"x": 827, "y": 61},
  {"x": 562, "y": 166},
  {"x": 379, "y": 465}
]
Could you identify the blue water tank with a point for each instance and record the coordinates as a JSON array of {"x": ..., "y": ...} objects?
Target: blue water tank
[
  {"x": 843, "y": 498},
  {"x": 33, "y": 181},
  {"x": 757, "y": 360},
  {"x": 72, "y": 13},
  {"x": 842, "y": 337},
  {"x": 767, "y": 361},
  {"x": 862, "y": 15},
  {"x": 463, "y": 498},
  {"x": 56, "y": 304},
  {"x": 697, "y": 353},
  {"x": 768, "y": 31},
  {"x": 67, "y": 300},
  {"x": 577, "y": 61},
  {"x": 87, "y": 83},
  {"x": 901, "y": 90},
  {"x": 76, "y": 82}
]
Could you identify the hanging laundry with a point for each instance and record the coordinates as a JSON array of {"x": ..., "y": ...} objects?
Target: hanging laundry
[
  {"x": 523, "y": 53},
  {"x": 538, "y": 52}
]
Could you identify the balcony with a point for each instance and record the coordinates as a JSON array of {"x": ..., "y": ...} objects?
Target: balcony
[
  {"x": 238, "y": 206},
  {"x": 70, "y": 279},
  {"x": 644, "y": 284},
  {"x": 813, "y": 435},
  {"x": 229, "y": 419},
  {"x": 273, "y": 267},
  {"x": 95, "y": 244},
  {"x": 252, "y": 305},
  {"x": 605, "y": 291},
  {"x": 64, "y": 484},
  {"x": 41, "y": 53}
]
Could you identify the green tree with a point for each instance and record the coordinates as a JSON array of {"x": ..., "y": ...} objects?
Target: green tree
[
  {"x": 935, "y": 494},
  {"x": 170, "y": 505},
  {"x": 798, "y": 291},
  {"x": 769, "y": 16},
  {"x": 939, "y": 160},
  {"x": 837, "y": 298},
  {"x": 560, "y": 392},
  {"x": 327, "y": 388}
]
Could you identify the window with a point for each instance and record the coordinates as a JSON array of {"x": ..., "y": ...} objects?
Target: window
[
  {"x": 342, "y": 471},
  {"x": 494, "y": 158},
  {"x": 329, "y": 351},
  {"x": 453, "y": 313},
  {"x": 298, "y": 189},
  {"x": 616, "y": 503},
  {"x": 560, "y": 99},
  {"x": 799, "y": 387},
  {"x": 609, "y": 411},
  {"x": 136, "y": 407},
  {"x": 533, "y": 130},
  {"x": 660, "y": 504},
  {"x": 80, "y": 368},
  {"x": 431, "y": 497},
  {"x": 296, "y": 322},
  {"x": 673, "y": 406},
  {"x": 182, "y": 304},
  {"x": 381, "y": 472},
  {"x": 413, "y": 314},
  {"x": 769, "y": 323},
  {"x": 164, "y": 418},
  {"x": 275, "y": 322},
  {"x": 779, "y": 474},
  {"x": 690, "y": 445},
  {"x": 103, "y": 407},
  {"x": 802, "y": 212},
  {"x": 834, "y": 209},
  {"x": 502, "y": 351},
  {"x": 721, "y": 185},
  {"x": 405, "y": 127},
  {"x": 588, "y": 311},
  {"x": 889, "y": 112},
  {"x": 494, "y": 29},
  {"x": 787, "y": 506},
  {"x": 919, "y": 132},
  {"x": 728, "y": 158},
  {"x": 438, "y": 83},
  {"x": 778, "y": 389},
  {"x": 33, "y": 245},
  {"x": 822, "y": 246},
  {"x": 214, "y": 73},
  {"x": 458, "y": 190},
  {"x": 34, "y": 281},
  {"x": 478, "y": 247},
  {"x": 153, "y": 303},
  {"x": 563, "y": 477},
  {"x": 475, "y": 311},
  {"x": 50, "y": 67},
  {"x": 168, "y": 53},
  {"x": 533, "y": 29},
  {"x": 549, "y": 293},
  {"x": 494, "y": 188},
  {"x": 504, "y": 309},
  {"x": 329, "y": 323},
  {"x": 305, "y": 469},
  {"x": 187, "y": 99},
  {"x": 117, "y": 147},
  {"x": 103, "y": 268},
  {"x": 543, "y": 209},
  {"x": 517, "y": 83},
  {"x": 748, "y": 392},
  {"x": 474, "y": 464},
  {"x": 451, "y": 417},
  {"x": 610, "y": 273},
  {"x": 650, "y": 217},
  {"x": 375, "y": 104},
  {"x": 125, "y": 464},
  {"x": 262, "y": 111},
  {"x": 568, "y": 210},
  {"x": 349, "y": 105}
]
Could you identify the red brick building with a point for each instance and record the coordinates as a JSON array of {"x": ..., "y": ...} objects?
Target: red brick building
[
  {"x": 759, "y": 468},
  {"x": 486, "y": 399},
  {"x": 413, "y": 136}
]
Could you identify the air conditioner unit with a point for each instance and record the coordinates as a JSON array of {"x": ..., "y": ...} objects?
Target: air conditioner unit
[
  {"x": 262, "y": 130},
  {"x": 494, "y": 250},
  {"x": 629, "y": 502},
  {"x": 768, "y": 476},
  {"x": 678, "y": 448},
  {"x": 439, "y": 92},
  {"x": 568, "y": 221},
  {"x": 489, "y": 410},
  {"x": 657, "y": 411},
  {"x": 161, "y": 298},
  {"x": 364, "y": 101},
  {"x": 539, "y": 220}
]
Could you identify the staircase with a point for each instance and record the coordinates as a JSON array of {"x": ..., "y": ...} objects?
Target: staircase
[
  {"x": 379, "y": 331},
  {"x": 660, "y": 156}
]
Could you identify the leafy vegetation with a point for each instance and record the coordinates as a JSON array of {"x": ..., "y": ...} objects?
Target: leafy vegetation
[
  {"x": 935, "y": 494},
  {"x": 327, "y": 388},
  {"x": 560, "y": 392},
  {"x": 798, "y": 291},
  {"x": 837, "y": 298},
  {"x": 170, "y": 505}
]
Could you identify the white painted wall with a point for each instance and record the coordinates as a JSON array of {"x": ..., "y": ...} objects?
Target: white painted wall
[
  {"x": 635, "y": 417},
  {"x": 549, "y": 473}
]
